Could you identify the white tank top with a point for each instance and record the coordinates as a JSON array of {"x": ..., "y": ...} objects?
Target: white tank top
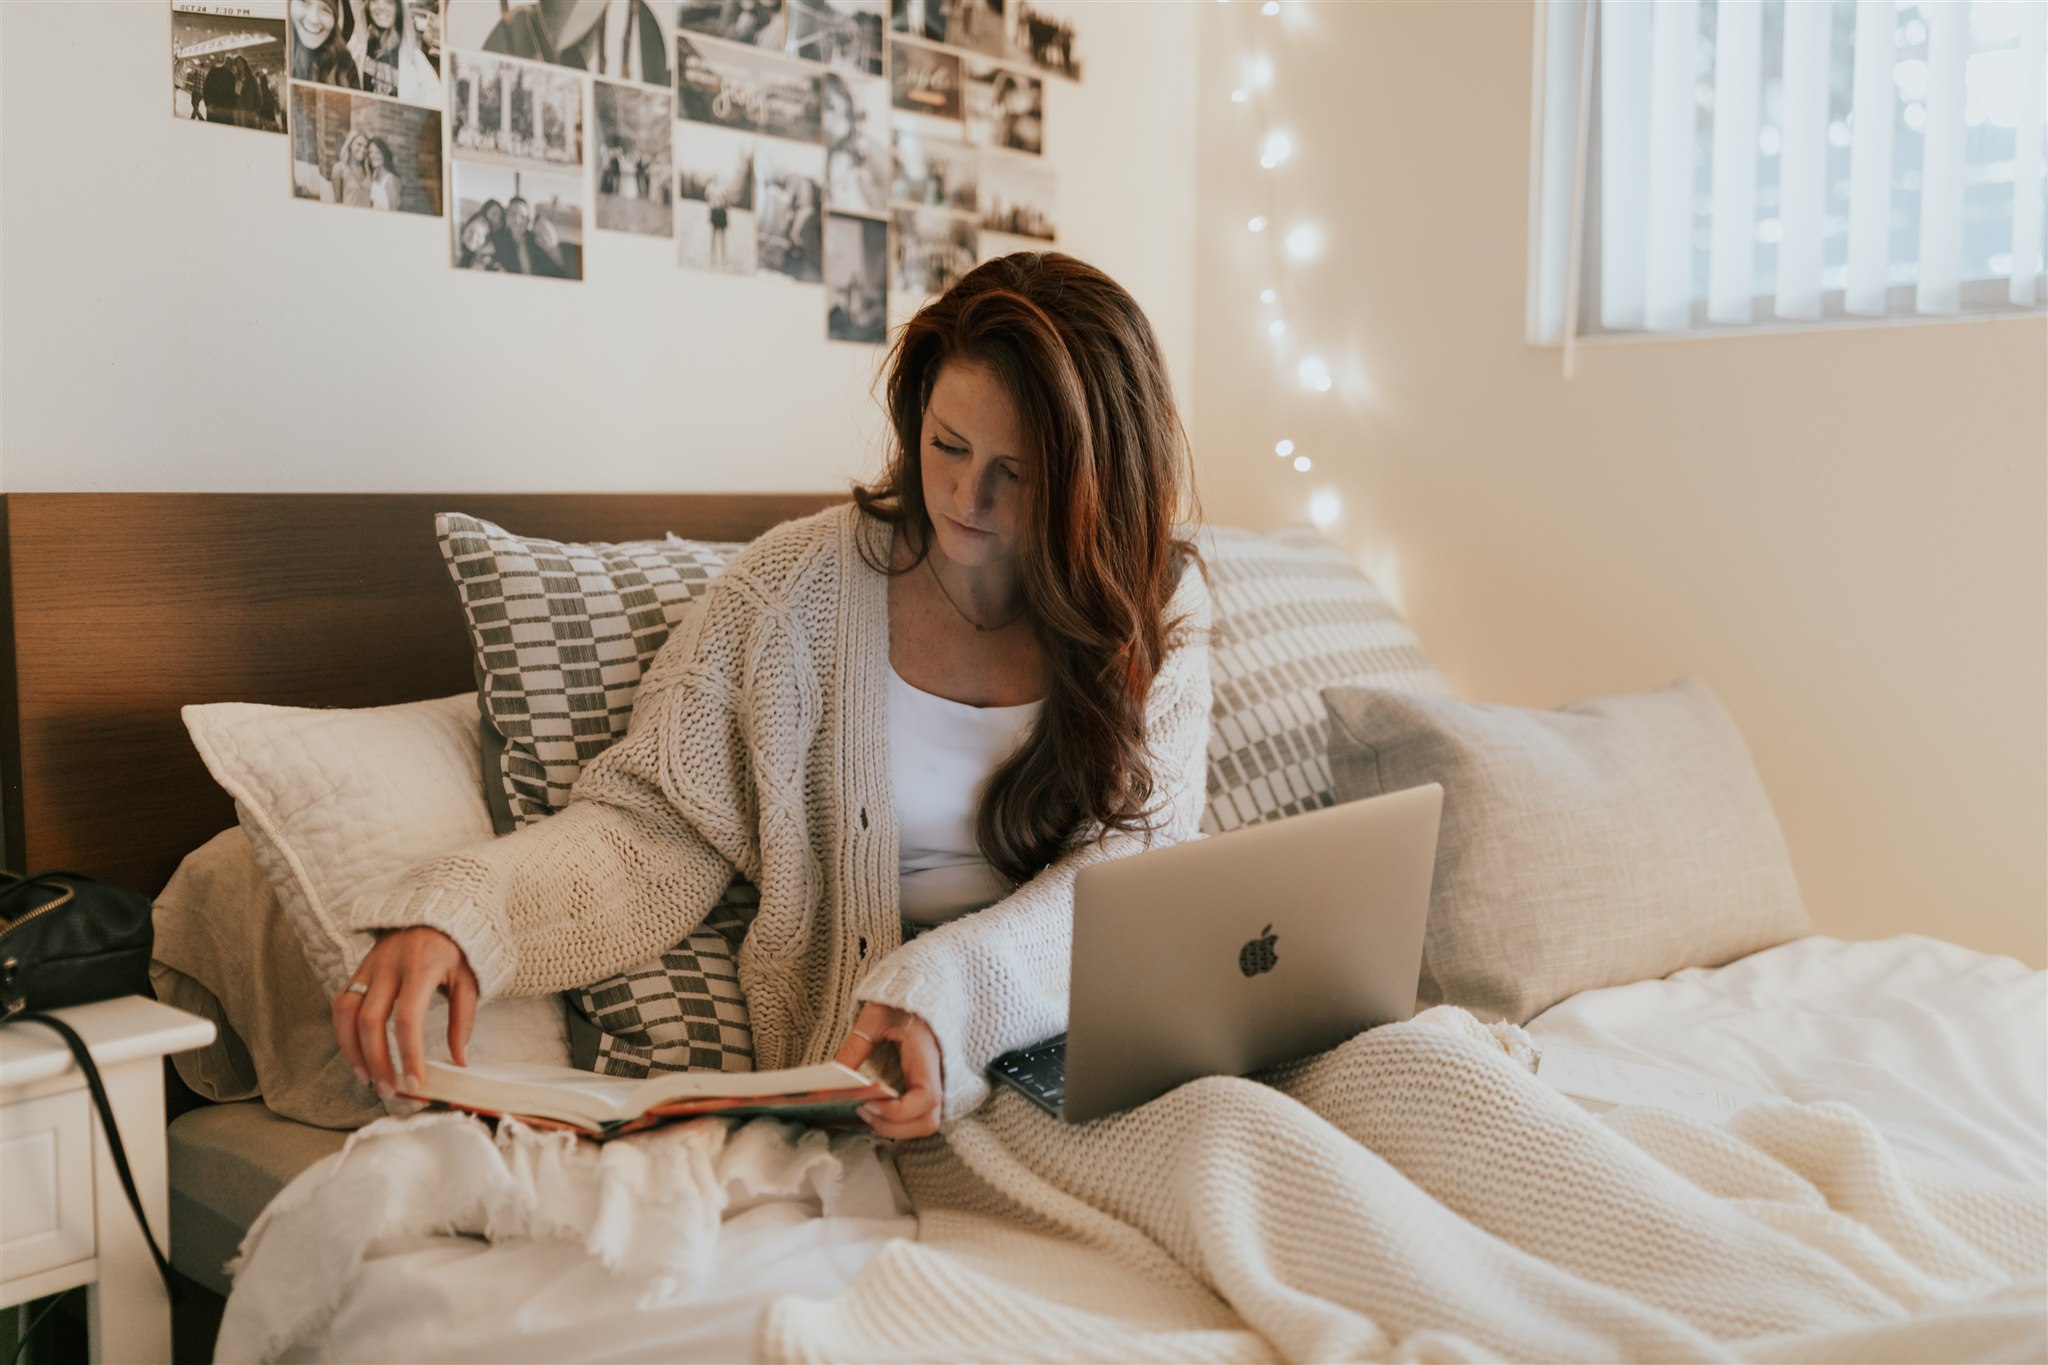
[{"x": 941, "y": 754}]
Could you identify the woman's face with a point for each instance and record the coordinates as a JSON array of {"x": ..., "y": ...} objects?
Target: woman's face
[
  {"x": 383, "y": 13},
  {"x": 494, "y": 214},
  {"x": 358, "y": 145},
  {"x": 972, "y": 455},
  {"x": 475, "y": 233},
  {"x": 838, "y": 116},
  {"x": 376, "y": 156},
  {"x": 314, "y": 21}
]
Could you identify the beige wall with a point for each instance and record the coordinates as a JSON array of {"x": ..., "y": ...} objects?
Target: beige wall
[{"x": 1842, "y": 532}]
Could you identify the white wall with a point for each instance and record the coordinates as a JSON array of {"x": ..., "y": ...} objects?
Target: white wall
[
  {"x": 1842, "y": 532},
  {"x": 172, "y": 320}
]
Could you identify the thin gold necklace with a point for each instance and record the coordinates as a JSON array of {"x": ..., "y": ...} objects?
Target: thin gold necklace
[{"x": 963, "y": 614}]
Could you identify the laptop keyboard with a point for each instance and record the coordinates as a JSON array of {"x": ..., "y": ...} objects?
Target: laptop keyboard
[{"x": 1039, "y": 1071}]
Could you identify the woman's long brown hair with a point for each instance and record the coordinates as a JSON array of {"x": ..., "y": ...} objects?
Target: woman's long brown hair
[{"x": 1106, "y": 481}]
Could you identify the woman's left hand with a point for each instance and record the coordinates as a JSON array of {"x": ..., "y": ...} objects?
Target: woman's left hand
[{"x": 914, "y": 1113}]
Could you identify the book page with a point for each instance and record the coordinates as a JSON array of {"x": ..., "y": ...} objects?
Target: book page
[
  {"x": 536, "y": 1088},
  {"x": 796, "y": 1080}
]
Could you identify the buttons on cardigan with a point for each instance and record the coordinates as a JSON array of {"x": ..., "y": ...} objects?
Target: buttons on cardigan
[
  {"x": 863, "y": 948},
  {"x": 863, "y": 817}
]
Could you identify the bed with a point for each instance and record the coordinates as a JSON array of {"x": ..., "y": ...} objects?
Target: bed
[{"x": 126, "y": 607}]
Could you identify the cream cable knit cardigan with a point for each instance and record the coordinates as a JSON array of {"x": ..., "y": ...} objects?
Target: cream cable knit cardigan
[{"x": 759, "y": 742}]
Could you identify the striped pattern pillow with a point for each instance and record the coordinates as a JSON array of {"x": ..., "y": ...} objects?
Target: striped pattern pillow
[
  {"x": 1293, "y": 615},
  {"x": 561, "y": 634}
]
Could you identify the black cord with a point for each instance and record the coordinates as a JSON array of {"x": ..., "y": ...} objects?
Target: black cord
[{"x": 28, "y": 1332}]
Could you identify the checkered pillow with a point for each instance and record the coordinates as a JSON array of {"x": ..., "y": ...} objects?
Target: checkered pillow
[
  {"x": 1293, "y": 615},
  {"x": 561, "y": 635},
  {"x": 684, "y": 1011}
]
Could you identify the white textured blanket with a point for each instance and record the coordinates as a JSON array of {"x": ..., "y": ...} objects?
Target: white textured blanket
[
  {"x": 1416, "y": 1194},
  {"x": 1413, "y": 1194}
]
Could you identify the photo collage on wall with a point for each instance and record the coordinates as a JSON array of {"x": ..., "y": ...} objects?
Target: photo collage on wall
[{"x": 866, "y": 146}]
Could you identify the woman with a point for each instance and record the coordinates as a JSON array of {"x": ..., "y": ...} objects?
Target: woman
[
  {"x": 802, "y": 232},
  {"x": 718, "y": 224},
  {"x": 351, "y": 177},
  {"x": 387, "y": 51},
  {"x": 383, "y": 176},
  {"x": 910, "y": 721},
  {"x": 321, "y": 30},
  {"x": 474, "y": 247},
  {"x": 854, "y": 179}
]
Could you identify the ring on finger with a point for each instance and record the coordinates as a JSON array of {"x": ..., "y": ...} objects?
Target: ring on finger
[{"x": 355, "y": 988}]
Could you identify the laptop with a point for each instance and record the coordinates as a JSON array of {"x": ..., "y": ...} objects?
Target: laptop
[{"x": 1227, "y": 955}]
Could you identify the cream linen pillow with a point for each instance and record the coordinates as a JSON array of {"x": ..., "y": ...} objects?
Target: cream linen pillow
[
  {"x": 335, "y": 800},
  {"x": 1605, "y": 842},
  {"x": 224, "y": 951}
]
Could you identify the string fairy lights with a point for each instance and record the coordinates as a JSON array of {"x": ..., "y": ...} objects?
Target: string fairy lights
[{"x": 1290, "y": 247}]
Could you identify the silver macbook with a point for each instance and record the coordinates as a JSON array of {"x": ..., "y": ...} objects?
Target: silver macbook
[{"x": 1228, "y": 955}]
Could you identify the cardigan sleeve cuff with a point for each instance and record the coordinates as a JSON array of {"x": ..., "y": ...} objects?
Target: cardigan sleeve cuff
[{"x": 474, "y": 928}]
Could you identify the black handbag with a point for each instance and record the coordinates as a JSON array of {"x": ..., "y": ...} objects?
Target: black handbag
[{"x": 66, "y": 939}]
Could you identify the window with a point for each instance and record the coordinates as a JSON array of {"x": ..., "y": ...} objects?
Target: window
[{"x": 1703, "y": 165}]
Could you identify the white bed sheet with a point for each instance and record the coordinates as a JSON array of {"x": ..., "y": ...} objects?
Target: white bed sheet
[{"x": 1945, "y": 1049}]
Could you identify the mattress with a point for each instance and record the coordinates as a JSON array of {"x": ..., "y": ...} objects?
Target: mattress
[
  {"x": 1942, "y": 1048},
  {"x": 226, "y": 1162}
]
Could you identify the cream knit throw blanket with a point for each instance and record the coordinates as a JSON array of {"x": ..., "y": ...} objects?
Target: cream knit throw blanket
[{"x": 1416, "y": 1194}]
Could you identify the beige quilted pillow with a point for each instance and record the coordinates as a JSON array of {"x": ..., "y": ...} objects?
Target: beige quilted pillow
[
  {"x": 1605, "y": 842},
  {"x": 335, "y": 801}
]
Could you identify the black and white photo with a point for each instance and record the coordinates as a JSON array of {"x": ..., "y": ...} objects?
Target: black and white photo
[
  {"x": 931, "y": 167},
  {"x": 714, "y": 198},
  {"x": 789, "y": 210},
  {"x": 978, "y": 26},
  {"x": 1004, "y": 108},
  {"x": 924, "y": 80},
  {"x": 624, "y": 40},
  {"x": 757, "y": 23},
  {"x": 747, "y": 90},
  {"x": 921, "y": 18},
  {"x": 228, "y": 63},
  {"x": 510, "y": 221},
  {"x": 855, "y": 122},
  {"x": 364, "y": 152},
  {"x": 397, "y": 49},
  {"x": 1044, "y": 41},
  {"x": 843, "y": 34},
  {"x": 932, "y": 250},
  {"x": 856, "y": 275},
  {"x": 1017, "y": 197},
  {"x": 322, "y": 37},
  {"x": 515, "y": 111},
  {"x": 633, "y": 147}
]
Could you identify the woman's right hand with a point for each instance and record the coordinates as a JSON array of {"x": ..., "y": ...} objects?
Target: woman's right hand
[{"x": 395, "y": 983}]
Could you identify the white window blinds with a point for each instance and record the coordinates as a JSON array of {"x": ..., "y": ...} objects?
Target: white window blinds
[{"x": 1732, "y": 163}]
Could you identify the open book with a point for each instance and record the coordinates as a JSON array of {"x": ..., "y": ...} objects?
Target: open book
[{"x": 608, "y": 1106}]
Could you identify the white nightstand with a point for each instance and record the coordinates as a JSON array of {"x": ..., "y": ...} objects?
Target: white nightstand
[{"x": 64, "y": 1220}]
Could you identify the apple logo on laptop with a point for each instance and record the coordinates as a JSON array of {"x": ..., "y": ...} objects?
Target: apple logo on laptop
[{"x": 1258, "y": 955}]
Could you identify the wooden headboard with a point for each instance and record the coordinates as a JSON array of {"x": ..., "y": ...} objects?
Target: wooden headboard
[{"x": 117, "y": 609}]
